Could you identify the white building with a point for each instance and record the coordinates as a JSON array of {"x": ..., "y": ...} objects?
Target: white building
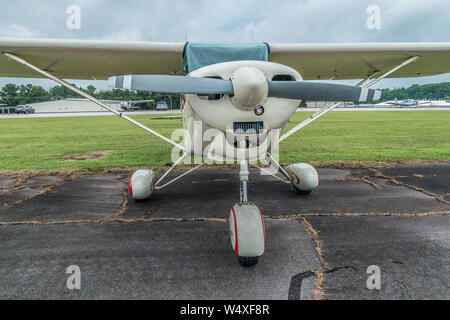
[{"x": 72, "y": 105}]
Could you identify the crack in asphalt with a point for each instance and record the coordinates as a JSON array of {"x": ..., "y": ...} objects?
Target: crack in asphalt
[
  {"x": 378, "y": 174},
  {"x": 318, "y": 273},
  {"x": 19, "y": 178},
  {"x": 48, "y": 187},
  {"x": 375, "y": 214},
  {"x": 373, "y": 184},
  {"x": 336, "y": 269},
  {"x": 297, "y": 280},
  {"x": 118, "y": 218},
  {"x": 123, "y": 207},
  {"x": 295, "y": 286},
  {"x": 111, "y": 220}
]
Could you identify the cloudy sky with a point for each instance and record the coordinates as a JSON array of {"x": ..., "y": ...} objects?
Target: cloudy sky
[{"x": 230, "y": 21}]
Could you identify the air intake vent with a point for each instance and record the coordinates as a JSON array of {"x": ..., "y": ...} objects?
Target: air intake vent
[
  {"x": 248, "y": 127},
  {"x": 283, "y": 77}
]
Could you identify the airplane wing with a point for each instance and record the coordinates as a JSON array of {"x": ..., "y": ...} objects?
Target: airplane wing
[
  {"x": 339, "y": 61},
  {"x": 87, "y": 59}
]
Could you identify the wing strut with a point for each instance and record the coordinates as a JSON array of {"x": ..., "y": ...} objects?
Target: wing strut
[
  {"x": 325, "y": 110},
  {"x": 96, "y": 101},
  {"x": 176, "y": 164}
]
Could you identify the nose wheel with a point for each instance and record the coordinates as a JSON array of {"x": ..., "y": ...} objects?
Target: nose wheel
[{"x": 247, "y": 232}]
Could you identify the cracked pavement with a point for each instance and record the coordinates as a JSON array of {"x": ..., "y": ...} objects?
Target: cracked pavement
[{"x": 176, "y": 244}]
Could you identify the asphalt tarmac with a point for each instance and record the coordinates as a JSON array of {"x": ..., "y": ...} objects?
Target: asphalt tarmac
[{"x": 176, "y": 244}]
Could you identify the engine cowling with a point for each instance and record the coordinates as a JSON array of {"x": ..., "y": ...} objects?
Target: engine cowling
[{"x": 304, "y": 177}]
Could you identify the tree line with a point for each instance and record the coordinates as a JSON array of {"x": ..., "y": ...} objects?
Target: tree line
[
  {"x": 435, "y": 91},
  {"x": 13, "y": 95}
]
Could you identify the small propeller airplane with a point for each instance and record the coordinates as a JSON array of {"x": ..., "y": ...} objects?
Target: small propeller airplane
[
  {"x": 407, "y": 102},
  {"x": 243, "y": 92},
  {"x": 130, "y": 105}
]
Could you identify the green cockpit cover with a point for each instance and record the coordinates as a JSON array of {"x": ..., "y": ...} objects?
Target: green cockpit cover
[{"x": 198, "y": 55}]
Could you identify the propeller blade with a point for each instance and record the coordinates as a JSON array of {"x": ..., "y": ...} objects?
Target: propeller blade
[
  {"x": 172, "y": 84},
  {"x": 316, "y": 91}
]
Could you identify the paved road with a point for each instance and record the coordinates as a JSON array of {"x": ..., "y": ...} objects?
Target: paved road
[
  {"x": 176, "y": 245},
  {"x": 79, "y": 114},
  {"x": 380, "y": 108},
  {"x": 95, "y": 114}
]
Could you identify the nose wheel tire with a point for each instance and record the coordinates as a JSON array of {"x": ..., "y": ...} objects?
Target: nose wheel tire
[
  {"x": 248, "y": 261},
  {"x": 247, "y": 233}
]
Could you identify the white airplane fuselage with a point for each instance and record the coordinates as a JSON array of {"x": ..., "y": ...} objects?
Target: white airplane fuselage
[{"x": 222, "y": 122}]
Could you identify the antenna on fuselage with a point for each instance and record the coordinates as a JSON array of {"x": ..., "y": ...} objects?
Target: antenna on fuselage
[{"x": 253, "y": 37}]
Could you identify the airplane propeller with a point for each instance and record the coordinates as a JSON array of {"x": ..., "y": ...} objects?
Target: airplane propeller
[
  {"x": 297, "y": 90},
  {"x": 317, "y": 91},
  {"x": 172, "y": 84}
]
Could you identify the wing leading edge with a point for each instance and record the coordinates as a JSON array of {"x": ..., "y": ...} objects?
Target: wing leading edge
[
  {"x": 89, "y": 59},
  {"x": 326, "y": 61}
]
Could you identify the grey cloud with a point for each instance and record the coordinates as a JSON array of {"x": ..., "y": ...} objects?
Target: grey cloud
[
  {"x": 276, "y": 21},
  {"x": 229, "y": 21}
]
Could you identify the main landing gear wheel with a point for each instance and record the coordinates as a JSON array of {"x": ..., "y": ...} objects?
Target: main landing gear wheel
[
  {"x": 303, "y": 193},
  {"x": 140, "y": 186},
  {"x": 304, "y": 177},
  {"x": 247, "y": 233}
]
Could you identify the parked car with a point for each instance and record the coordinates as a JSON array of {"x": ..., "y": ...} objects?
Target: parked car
[
  {"x": 24, "y": 109},
  {"x": 161, "y": 106}
]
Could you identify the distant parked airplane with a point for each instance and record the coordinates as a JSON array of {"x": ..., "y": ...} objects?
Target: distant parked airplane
[
  {"x": 126, "y": 105},
  {"x": 406, "y": 103},
  {"x": 129, "y": 105}
]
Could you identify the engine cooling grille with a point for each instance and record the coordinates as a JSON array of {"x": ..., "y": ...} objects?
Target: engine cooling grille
[{"x": 248, "y": 127}]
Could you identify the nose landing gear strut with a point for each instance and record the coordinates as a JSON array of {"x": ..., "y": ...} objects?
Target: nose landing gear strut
[{"x": 246, "y": 225}]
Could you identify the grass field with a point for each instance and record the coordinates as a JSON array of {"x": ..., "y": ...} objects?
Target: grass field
[{"x": 367, "y": 137}]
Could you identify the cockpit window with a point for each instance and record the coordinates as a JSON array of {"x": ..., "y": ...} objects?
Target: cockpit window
[
  {"x": 211, "y": 97},
  {"x": 283, "y": 77}
]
